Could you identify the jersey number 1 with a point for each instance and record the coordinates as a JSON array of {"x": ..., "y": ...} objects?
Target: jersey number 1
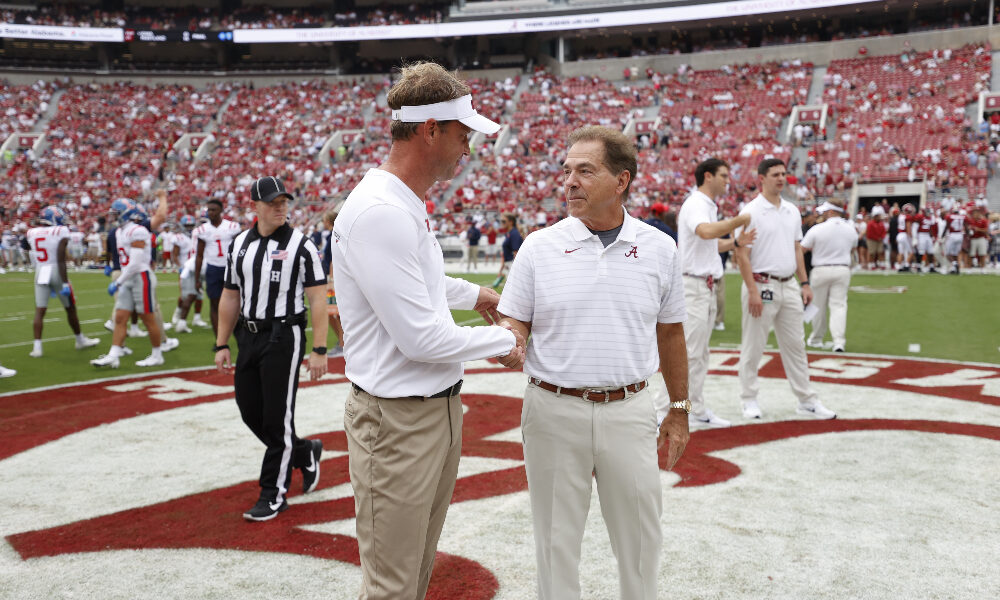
[{"x": 219, "y": 243}]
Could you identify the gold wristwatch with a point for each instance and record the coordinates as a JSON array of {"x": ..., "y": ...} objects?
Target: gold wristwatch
[{"x": 684, "y": 405}]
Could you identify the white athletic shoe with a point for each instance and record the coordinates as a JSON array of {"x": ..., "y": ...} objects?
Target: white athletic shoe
[
  {"x": 169, "y": 344},
  {"x": 134, "y": 331},
  {"x": 720, "y": 327},
  {"x": 336, "y": 351},
  {"x": 167, "y": 326},
  {"x": 199, "y": 322},
  {"x": 105, "y": 360},
  {"x": 812, "y": 344},
  {"x": 707, "y": 418},
  {"x": 150, "y": 361},
  {"x": 837, "y": 348},
  {"x": 126, "y": 351},
  {"x": 3, "y": 271},
  {"x": 87, "y": 343},
  {"x": 35, "y": 353},
  {"x": 4, "y": 371},
  {"x": 751, "y": 410},
  {"x": 182, "y": 327},
  {"x": 816, "y": 410},
  {"x": 109, "y": 325}
]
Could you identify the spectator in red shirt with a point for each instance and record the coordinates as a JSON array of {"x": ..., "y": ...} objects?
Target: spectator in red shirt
[
  {"x": 979, "y": 244},
  {"x": 874, "y": 236}
]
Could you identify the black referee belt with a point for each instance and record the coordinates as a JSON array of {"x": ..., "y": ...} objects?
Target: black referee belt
[
  {"x": 256, "y": 326},
  {"x": 445, "y": 393}
]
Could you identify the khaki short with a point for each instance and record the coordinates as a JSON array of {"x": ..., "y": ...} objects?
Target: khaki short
[{"x": 874, "y": 246}]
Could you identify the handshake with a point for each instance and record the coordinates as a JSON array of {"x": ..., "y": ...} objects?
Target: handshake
[
  {"x": 486, "y": 305},
  {"x": 514, "y": 360}
]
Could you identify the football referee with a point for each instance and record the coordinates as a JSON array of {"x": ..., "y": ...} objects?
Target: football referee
[{"x": 270, "y": 268}]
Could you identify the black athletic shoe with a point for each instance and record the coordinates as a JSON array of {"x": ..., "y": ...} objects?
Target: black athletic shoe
[
  {"x": 310, "y": 473},
  {"x": 265, "y": 510}
]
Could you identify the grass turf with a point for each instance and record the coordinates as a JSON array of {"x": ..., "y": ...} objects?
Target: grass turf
[{"x": 950, "y": 317}]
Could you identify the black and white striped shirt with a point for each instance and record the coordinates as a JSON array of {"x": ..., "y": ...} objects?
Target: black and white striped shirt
[{"x": 271, "y": 273}]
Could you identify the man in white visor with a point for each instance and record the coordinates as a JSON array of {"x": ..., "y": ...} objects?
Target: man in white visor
[{"x": 403, "y": 350}]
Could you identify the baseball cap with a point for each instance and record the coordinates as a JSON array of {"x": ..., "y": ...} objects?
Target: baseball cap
[{"x": 266, "y": 189}]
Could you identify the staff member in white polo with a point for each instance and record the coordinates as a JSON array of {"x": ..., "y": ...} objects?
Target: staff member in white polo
[
  {"x": 403, "y": 350},
  {"x": 698, "y": 229},
  {"x": 601, "y": 294},
  {"x": 771, "y": 296},
  {"x": 831, "y": 242}
]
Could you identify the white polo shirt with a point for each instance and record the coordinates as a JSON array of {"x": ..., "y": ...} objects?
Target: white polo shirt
[
  {"x": 394, "y": 298},
  {"x": 831, "y": 242},
  {"x": 593, "y": 310},
  {"x": 778, "y": 228},
  {"x": 698, "y": 257}
]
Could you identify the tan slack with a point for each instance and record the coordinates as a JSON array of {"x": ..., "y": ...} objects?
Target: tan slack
[{"x": 403, "y": 461}]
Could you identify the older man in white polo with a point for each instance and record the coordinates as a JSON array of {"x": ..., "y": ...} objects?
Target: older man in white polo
[
  {"x": 830, "y": 241},
  {"x": 601, "y": 294}
]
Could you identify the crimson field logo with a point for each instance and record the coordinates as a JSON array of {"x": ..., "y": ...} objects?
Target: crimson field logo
[{"x": 135, "y": 488}]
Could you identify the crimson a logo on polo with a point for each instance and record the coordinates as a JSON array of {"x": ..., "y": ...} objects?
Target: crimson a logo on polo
[{"x": 134, "y": 488}]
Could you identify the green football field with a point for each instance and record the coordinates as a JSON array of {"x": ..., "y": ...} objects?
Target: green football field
[{"x": 949, "y": 317}]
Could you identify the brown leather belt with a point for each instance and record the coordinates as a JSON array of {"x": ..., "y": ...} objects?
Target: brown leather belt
[
  {"x": 765, "y": 277},
  {"x": 591, "y": 395}
]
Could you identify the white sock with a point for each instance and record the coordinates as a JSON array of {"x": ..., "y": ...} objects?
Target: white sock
[
  {"x": 177, "y": 315},
  {"x": 116, "y": 351},
  {"x": 37, "y": 346},
  {"x": 157, "y": 353},
  {"x": 80, "y": 338}
]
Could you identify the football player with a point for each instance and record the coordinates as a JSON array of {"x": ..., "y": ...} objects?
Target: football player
[{"x": 48, "y": 245}]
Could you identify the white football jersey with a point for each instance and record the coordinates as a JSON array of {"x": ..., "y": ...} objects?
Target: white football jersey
[
  {"x": 217, "y": 240},
  {"x": 182, "y": 246},
  {"x": 139, "y": 257},
  {"x": 44, "y": 243}
]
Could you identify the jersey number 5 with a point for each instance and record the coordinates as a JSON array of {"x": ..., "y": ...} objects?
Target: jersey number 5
[{"x": 43, "y": 254}]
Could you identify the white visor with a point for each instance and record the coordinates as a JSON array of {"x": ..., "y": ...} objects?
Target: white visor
[
  {"x": 459, "y": 109},
  {"x": 827, "y": 206}
]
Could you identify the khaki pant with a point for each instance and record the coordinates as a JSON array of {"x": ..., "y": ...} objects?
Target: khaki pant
[
  {"x": 784, "y": 313},
  {"x": 720, "y": 300},
  {"x": 403, "y": 462},
  {"x": 568, "y": 442},
  {"x": 701, "y": 308},
  {"x": 830, "y": 286}
]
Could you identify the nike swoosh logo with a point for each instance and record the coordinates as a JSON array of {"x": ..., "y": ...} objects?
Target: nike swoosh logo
[
  {"x": 274, "y": 505},
  {"x": 312, "y": 466},
  {"x": 573, "y": 250}
]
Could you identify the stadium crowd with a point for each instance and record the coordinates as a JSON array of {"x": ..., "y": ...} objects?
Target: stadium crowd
[
  {"x": 900, "y": 116},
  {"x": 207, "y": 19}
]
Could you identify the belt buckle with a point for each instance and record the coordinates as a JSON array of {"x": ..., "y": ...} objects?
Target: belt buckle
[
  {"x": 607, "y": 395},
  {"x": 252, "y": 326}
]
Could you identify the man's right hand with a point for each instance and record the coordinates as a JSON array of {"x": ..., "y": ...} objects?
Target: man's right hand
[
  {"x": 754, "y": 303},
  {"x": 107, "y": 270},
  {"x": 222, "y": 361}
]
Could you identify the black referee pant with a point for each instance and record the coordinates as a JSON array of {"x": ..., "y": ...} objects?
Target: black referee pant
[{"x": 266, "y": 378}]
